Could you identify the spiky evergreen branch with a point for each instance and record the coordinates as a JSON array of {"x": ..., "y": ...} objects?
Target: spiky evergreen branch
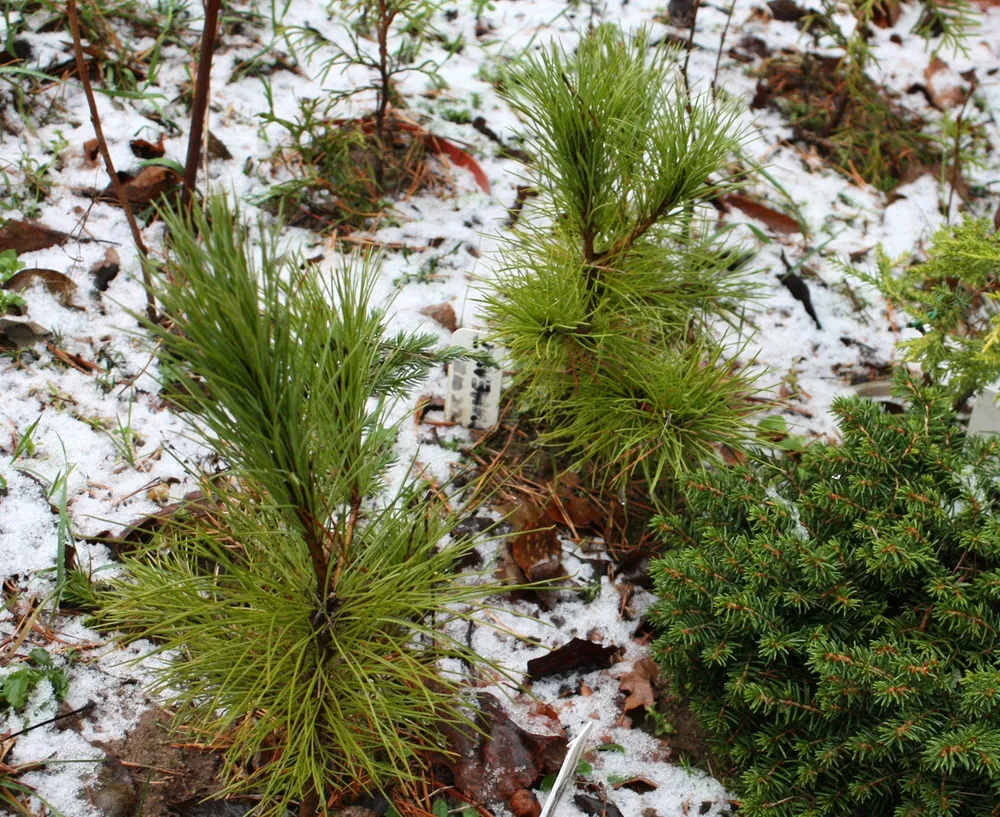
[
  {"x": 836, "y": 623},
  {"x": 951, "y": 299}
]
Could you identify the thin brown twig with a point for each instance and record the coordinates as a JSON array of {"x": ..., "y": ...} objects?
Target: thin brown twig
[
  {"x": 109, "y": 165},
  {"x": 687, "y": 54},
  {"x": 199, "y": 104},
  {"x": 722, "y": 45}
]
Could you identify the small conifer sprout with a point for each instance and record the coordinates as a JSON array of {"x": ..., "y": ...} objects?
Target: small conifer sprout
[
  {"x": 609, "y": 286},
  {"x": 301, "y": 613},
  {"x": 835, "y": 621},
  {"x": 952, "y": 301}
]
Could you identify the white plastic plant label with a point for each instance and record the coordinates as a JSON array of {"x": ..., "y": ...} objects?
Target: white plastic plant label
[
  {"x": 985, "y": 417},
  {"x": 567, "y": 772},
  {"x": 473, "y": 398}
]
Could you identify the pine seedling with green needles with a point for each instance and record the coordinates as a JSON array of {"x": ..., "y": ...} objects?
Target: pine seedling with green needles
[
  {"x": 952, "y": 300},
  {"x": 303, "y": 617},
  {"x": 607, "y": 290}
]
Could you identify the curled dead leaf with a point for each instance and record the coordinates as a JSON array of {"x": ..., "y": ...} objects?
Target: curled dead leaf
[
  {"x": 55, "y": 282},
  {"x": 638, "y": 683},
  {"x": 106, "y": 270},
  {"x": 945, "y": 88},
  {"x": 147, "y": 150},
  {"x": 576, "y": 655},
  {"x": 637, "y": 783},
  {"x": 525, "y": 804},
  {"x": 148, "y": 185},
  {"x": 775, "y": 220},
  {"x": 20, "y": 333}
]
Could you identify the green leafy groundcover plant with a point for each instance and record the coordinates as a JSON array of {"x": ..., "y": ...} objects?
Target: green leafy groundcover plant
[
  {"x": 835, "y": 621},
  {"x": 301, "y": 610},
  {"x": 608, "y": 286}
]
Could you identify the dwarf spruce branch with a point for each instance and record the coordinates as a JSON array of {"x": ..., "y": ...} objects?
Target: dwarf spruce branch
[
  {"x": 833, "y": 618},
  {"x": 609, "y": 286}
]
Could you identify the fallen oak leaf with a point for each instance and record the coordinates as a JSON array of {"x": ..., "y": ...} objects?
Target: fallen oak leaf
[{"x": 638, "y": 683}]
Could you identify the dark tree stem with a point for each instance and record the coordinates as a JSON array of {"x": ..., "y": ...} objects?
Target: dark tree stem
[{"x": 199, "y": 104}]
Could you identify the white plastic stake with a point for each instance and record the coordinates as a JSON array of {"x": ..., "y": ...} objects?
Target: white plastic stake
[
  {"x": 568, "y": 770},
  {"x": 985, "y": 417},
  {"x": 473, "y": 397}
]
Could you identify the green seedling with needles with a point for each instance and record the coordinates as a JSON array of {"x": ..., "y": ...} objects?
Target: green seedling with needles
[
  {"x": 306, "y": 612},
  {"x": 605, "y": 295}
]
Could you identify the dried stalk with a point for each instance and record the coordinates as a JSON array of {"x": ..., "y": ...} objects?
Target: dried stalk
[
  {"x": 102, "y": 145},
  {"x": 199, "y": 104}
]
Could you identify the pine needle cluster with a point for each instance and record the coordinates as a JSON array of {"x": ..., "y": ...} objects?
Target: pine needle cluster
[
  {"x": 302, "y": 618},
  {"x": 951, "y": 299},
  {"x": 836, "y": 623},
  {"x": 607, "y": 288}
]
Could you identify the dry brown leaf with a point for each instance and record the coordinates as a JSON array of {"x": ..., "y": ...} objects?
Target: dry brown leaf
[
  {"x": 21, "y": 333},
  {"x": 536, "y": 550},
  {"x": 501, "y": 759},
  {"x": 216, "y": 148},
  {"x": 775, "y": 220},
  {"x": 147, "y": 186},
  {"x": 147, "y": 150},
  {"x": 91, "y": 153},
  {"x": 55, "y": 282},
  {"x": 443, "y": 313},
  {"x": 945, "y": 88},
  {"x": 637, "y": 783},
  {"x": 571, "y": 505},
  {"x": 886, "y": 13},
  {"x": 29, "y": 236},
  {"x": 638, "y": 683},
  {"x": 106, "y": 270},
  {"x": 576, "y": 655}
]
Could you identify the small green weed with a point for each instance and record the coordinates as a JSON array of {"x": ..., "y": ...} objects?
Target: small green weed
[
  {"x": 16, "y": 686},
  {"x": 9, "y": 266}
]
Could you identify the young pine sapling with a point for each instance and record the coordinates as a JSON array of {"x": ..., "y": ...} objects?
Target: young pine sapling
[
  {"x": 609, "y": 286},
  {"x": 302, "y": 610}
]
